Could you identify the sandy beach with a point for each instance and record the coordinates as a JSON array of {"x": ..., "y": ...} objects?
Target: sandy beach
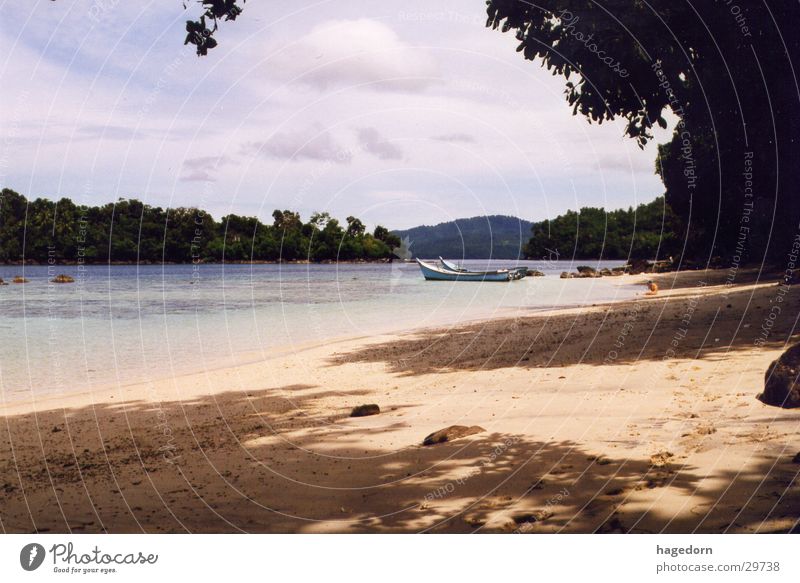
[{"x": 638, "y": 416}]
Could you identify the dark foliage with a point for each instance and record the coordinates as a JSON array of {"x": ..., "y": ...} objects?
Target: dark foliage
[
  {"x": 727, "y": 70},
  {"x": 647, "y": 232},
  {"x": 198, "y": 32},
  {"x": 130, "y": 231}
]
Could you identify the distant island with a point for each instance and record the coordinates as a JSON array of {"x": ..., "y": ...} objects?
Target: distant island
[
  {"x": 129, "y": 231},
  {"x": 493, "y": 236}
]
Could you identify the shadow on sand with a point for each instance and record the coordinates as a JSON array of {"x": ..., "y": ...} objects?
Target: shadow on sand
[
  {"x": 272, "y": 461},
  {"x": 704, "y": 327}
]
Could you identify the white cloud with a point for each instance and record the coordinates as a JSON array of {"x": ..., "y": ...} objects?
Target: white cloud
[{"x": 355, "y": 52}]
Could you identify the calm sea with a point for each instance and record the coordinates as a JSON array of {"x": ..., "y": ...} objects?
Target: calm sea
[{"x": 123, "y": 324}]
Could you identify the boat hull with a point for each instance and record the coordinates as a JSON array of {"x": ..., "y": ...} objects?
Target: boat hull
[
  {"x": 516, "y": 273},
  {"x": 433, "y": 273}
]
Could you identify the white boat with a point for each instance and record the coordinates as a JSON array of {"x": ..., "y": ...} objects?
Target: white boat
[{"x": 433, "y": 272}]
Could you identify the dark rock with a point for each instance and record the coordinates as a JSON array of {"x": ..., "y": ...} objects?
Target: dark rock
[
  {"x": 636, "y": 266},
  {"x": 796, "y": 458},
  {"x": 781, "y": 387},
  {"x": 451, "y": 433},
  {"x": 566, "y": 275},
  {"x": 535, "y": 273},
  {"x": 365, "y": 410},
  {"x": 586, "y": 271},
  {"x": 63, "y": 279},
  {"x": 57, "y": 429},
  {"x": 2, "y": 282}
]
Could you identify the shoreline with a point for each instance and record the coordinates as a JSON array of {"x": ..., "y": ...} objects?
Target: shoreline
[
  {"x": 253, "y": 357},
  {"x": 618, "y": 417}
]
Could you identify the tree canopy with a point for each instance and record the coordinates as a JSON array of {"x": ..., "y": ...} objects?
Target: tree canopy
[
  {"x": 649, "y": 231},
  {"x": 725, "y": 69},
  {"x": 130, "y": 231}
]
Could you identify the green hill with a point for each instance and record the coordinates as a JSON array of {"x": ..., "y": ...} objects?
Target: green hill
[{"x": 495, "y": 236}]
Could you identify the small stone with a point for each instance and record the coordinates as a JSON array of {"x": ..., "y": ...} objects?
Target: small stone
[
  {"x": 365, "y": 410},
  {"x": 706, "y": 430},
  {"x": 451, "y": 433},
  {"x": 796, "y": 458},
  {"x": 661, "y": 459},
  {"x": 62, "y": 278},
  {"x": 56, "y": 429},
  {"x": 19, "y": 279}
]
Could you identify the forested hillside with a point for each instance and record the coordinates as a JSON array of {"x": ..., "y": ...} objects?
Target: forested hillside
[
  {"x": 129, "y": 231},
  {"x": 644, "y": 232},
  {"x": 495, "y": 236}
]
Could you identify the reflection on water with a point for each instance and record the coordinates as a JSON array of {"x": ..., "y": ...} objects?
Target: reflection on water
[{"x": 120, "y": 324}]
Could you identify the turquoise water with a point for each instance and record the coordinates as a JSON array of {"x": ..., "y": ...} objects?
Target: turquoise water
[{"x": 123, "y": 324}]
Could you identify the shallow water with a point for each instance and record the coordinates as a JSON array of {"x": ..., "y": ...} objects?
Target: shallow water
[{"x": 122, "y": 324}]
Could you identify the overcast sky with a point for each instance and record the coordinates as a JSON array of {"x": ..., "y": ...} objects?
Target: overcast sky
[{"x": 400, "y": 113}]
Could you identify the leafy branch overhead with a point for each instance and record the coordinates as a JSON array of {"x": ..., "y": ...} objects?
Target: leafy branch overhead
[{"x": 201, "y": 32}]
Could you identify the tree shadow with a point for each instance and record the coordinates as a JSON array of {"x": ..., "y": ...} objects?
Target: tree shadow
[
  {"x": 284, "y": 460},
  {"x": 684, "y": 325}
]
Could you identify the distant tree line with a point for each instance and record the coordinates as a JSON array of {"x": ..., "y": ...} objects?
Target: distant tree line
[
  {"x": 129, "y": 231},
  {"x": 648, "y": 231}
]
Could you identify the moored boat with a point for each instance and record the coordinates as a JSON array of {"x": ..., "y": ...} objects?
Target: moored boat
[{"x": 433, "y": 272}]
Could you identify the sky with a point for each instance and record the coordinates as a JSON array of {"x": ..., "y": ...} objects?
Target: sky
[{"x": 399, "y": 113}]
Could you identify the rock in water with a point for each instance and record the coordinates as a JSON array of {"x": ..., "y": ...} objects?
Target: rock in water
[
  {"x": 365, "y": 410},
  {"x": 19, "y": 279},
  {"x": 63, "y": 279},
  {"x": 781, "y": 386},
  {"x": 451, "y": 433}
]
